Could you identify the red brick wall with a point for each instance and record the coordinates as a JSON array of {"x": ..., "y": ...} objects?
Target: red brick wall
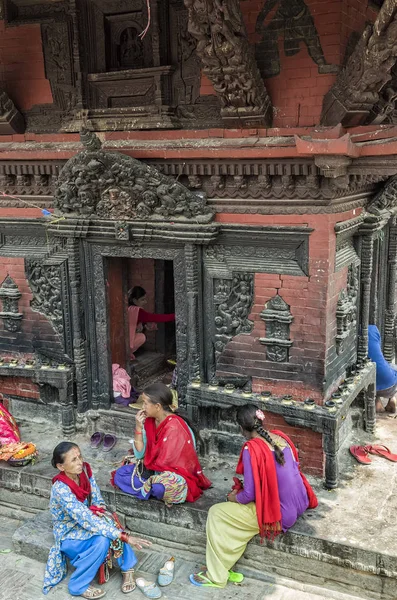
[
  {"x": 17, "y": 386},
  {"x": 312, "y": 304},
  {"x": 34, "y": 325},
  {"x": 22, "y": 66},
  {"x": 309, "y": 444}
]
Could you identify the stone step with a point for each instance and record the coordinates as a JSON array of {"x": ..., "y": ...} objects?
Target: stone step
[
  {"x": 345, "y": 545},
  {"x": 34, "y": 539}
]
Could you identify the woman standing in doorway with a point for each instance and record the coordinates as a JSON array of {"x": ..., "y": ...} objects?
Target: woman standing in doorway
[{"x": 139, "y": 319}]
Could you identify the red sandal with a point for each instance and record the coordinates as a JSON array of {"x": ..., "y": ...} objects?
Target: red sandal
[
  {"x": 360, "y": 453},
  {"x": 381, "y": 451}
]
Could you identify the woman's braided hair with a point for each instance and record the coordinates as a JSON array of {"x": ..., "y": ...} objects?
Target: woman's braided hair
[{"x": 248, "y": 421}]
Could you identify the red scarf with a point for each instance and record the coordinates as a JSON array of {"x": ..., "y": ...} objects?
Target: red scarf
[
  {"x": 170, "y": 447},
  {"x": 81, "y": 490},
  {"x": 268, "y": 508}
]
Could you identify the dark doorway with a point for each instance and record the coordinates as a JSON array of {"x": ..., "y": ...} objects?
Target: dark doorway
[{"x": 153, "y": 359}]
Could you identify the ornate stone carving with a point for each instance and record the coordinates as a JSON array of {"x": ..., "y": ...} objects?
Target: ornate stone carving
[
  {"x": 228, "y": 60},
  {"x": 385, "y": 111},
  {"x": 11, "y": 120},
  {"x": 233, "y": 300},
  {"x": 278, "y": 318},
  {"x": 386, "y": 198},
  {"x": 58, "y": 59},
  {"x": 10, "y": 295},
  {"x": 45, "y": 283},
  {"x": 346, "y": 310},
  {"x": 358, "y": 86},
  {"x": 114, "y": 186}
]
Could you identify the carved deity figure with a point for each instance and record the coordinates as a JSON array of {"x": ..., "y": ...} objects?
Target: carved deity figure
[
  {"x": 292, "y": 20},
  {"x": 130, "y": 49}
]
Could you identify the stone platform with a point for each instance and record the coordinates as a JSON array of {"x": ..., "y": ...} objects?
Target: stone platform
[{"x": 348, "y": 544}]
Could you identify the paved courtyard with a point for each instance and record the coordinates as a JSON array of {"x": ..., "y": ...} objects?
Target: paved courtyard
[{"x": 21, "y": 579}]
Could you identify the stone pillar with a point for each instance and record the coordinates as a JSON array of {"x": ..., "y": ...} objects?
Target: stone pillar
[
  {"x": 194, "y": 311},
  {"x": 73, "y": 249},
  {"x": 389, "y": 349},
  {"x": 367, "y": 250}
]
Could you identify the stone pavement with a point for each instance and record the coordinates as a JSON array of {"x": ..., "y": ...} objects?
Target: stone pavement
[{"x": 21, "y": 579}]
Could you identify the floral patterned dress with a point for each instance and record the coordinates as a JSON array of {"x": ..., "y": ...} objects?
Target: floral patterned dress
[{"x": 73, "y": 520}]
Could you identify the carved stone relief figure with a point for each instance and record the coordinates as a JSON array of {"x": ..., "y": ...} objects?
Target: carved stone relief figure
[
  {"x": 294, "y": 22},
  {"x": 130, "y": 49},
  {"x": 45, "y": 283},
  {"x": 233, "y": 300}
]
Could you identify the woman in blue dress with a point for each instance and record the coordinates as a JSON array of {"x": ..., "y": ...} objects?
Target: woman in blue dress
[{"x": 82, "y": 530}]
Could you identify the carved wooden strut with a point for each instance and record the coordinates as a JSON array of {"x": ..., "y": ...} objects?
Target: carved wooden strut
[
  {"x": 358, "y": 87},
  {"x": 229, "y": 61}
]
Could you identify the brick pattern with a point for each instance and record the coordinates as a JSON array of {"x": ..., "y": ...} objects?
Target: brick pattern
[
  {"x": 18, "y": 386},
  {"x": 309, "y": 444},
  {"x": 312, "y": 304},
  {"x": 34, "y": 325},
  {"x": 22, "y": 66}
]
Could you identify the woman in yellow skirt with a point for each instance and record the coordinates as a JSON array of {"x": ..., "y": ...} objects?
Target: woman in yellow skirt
[{"x": 275, "y": 493}]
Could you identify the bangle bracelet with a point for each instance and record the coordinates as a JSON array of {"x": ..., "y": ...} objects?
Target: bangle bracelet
[
  {"x": 124, "y": 537},
  {"x": 138, "y": 432}
]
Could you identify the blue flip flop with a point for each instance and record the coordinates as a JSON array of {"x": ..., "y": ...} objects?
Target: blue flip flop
[{"x": 205, "y": 581}]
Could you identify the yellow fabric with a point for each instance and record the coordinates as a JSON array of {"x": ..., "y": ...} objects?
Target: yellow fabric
[{"x": 230, "y": 526}]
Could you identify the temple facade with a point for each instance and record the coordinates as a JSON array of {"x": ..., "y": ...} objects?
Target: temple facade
[{"x": 236, "y": 159}]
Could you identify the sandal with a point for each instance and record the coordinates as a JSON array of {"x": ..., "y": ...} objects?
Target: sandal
[
  {"x": 109, "y": 442},
  {"x": 235, "y": 577},
  {"x": 381, "y": 450},
  {"x": 96, "y": 439},
  {"x": 128, "y": 584},
  {"x": 150, "y": 590},
  {"x": 166, "y": 573},
  {"x": 205, "y": 581},
  {"x": 360, "y": 453},
  {"x": 92, "y": 593}
]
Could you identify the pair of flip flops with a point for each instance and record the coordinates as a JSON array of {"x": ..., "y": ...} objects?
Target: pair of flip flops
[
  {"x": 205, "y": 582},
  {"x": 109, "y": 441},
  {"x": 165, "y": 577},
  {"x": 361, "y": 453}
]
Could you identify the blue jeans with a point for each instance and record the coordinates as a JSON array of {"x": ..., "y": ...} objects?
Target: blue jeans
[{"x": 86, "y": 556}]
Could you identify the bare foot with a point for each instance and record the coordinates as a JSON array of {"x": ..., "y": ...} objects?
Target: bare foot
[
  {"x": 379, "y": 406},
  {"x": 391, "y": 406}
]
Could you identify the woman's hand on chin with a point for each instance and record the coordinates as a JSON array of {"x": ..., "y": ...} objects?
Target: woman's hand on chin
[{"x": 140, "y": 418}]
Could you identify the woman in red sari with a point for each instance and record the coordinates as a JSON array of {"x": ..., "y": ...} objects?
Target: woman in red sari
[{"x": 165, "y": 464}]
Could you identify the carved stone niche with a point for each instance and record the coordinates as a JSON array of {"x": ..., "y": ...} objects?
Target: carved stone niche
[
  {"x": 346, "y": 309},
  {"x": 277, "y": 318},
  {"x": 128, "y": 76},
  {"x": 10, "y": 295},
  {"x": 11, "y": 120}
]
